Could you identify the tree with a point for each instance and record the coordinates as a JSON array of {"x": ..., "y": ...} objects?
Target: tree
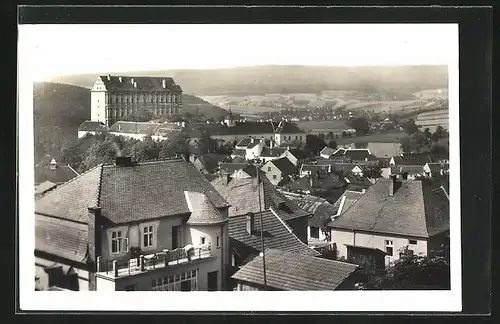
[
  {"x": 329, "y": 135},
  {"x": 439, "y": 134},
  {"x": 410, "y": 127},
  {"x": 360, "y": 144},
  {"x": 314, "y": 144},
  {"x": 405, "y": 142},
  {"x": 416, "y": 271},
  {"x": 361, "y": 125},
  {"x": 372, "y": 171},
  {"x": 427, "y": 134},
  {"x": 332, "y": 144},
  {"x": 387, "y": 126}
]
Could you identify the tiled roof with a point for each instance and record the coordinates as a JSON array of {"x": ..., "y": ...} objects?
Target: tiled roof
[
  {"x": 253, "y": 144},
  {"x": 299, "y": 153},
  {"x": 357, "y": 154},
  {"x": 314, "y": 168},
  {"x": 272, "y": 152},
  {"x": 203, "y": 211},
  {"x": 130, "y": 127},
  {"x": 359, "y": 247},
  {"x": 60, "y": 174},
  {"x": 242, "y": 195},
  {"x": 327, "y": 151},
  {"x": 244, "y": 142},
  {"x": 325, "y": 181},
  {"x": 321, "y": 209},
  {"x": 92, "y": 126},
  {"x": 290, "y": 271},
  {"x": 44, "y": 187},
  {"x": 285, "y": 166},
  {"x": 276, "y": 234},
  {"x": 144, "y": 191},
  {"x": 143, "y": 83},
  {"x": 410, "y": 169},
  {"x": 345, "y": 168},
  {"x": 357, "y": 180},
  {"x": 418, "y": 158},
  {"x": 413, "y": 210},
  {"x": 71, "y": 199},
  {"x": 238, "y": 152},
  {"x": 230, "y": 168},
  {"x": 62, "y": 238}
]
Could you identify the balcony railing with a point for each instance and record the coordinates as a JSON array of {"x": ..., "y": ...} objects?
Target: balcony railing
[{"x": 165, "y": 258}]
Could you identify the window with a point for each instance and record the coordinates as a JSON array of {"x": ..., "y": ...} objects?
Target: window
[
  {"x": 116, "y": 241},
  {"x": 202, "y": 240},
  {"x": 413, "y": 242},
  {"x": 275, "y": 177},
  {"x": 147, "y": 235},
  {"x": 268, "y": 168},
  {"x": 296, "y": 137},
  {"x": 186, "y": 281},
  {"x": 389, "y": 247},
  {"x": 314, "y": 232},
  {"x": 218, "y": 242}
]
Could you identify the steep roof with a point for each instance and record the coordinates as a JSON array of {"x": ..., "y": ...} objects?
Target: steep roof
[
  {"x": 92, "y": 126},
  {"x": 63, "y": 238},
  {"x": 60, "y": 174},
  {"x": 413, "y": 210},
  {"x": 242, "y": 195},
  {"x": 284, "y": 165},
  {"x": 203, "y": 211},
  {"x": 299, "y": 153},
  {"x": 129, "y": 193},
  {"x": 417, "y": 159},
  {"x": 321, "y": 209},
  {"x": 44, "y": 187},
  {"x": 244, "y": 142},
  {"x": 144, "y": 83},
  {"x": 291, "y": 271},
  {"x": 230, "y": 168},
  {"x": 276, "y": 235},
  {"x": 239, "y": 152},
  {"x": 357, "y": 154},
  {"x": 211, "y": 161},
  {"x": 325, "y": 181},
  {"x": 272, "y": 152}
]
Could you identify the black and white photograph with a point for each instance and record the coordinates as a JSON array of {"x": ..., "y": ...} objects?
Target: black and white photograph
[{"x": 241, "y": 163}]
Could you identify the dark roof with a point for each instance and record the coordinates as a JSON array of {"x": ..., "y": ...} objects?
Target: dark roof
[
  {"x": 143, "y": 83},
  {"x": 276, "y": 234},
  {"x": 414, "y": 210},
  {"x": 60, "y": 174},
  {"x": 325, "y": 181},
  {"x": 44, "y": 187},
  {"x": 244, "y": 142},
  {"x": 345, "y": 168},
  {"x": 299, "y": 153},
  {"x": 314, "y": 168},
  {"x": 416, "y": 159},
  {"x": 249, "y": 128},
  {"x": 203, "y": 211},
  {"x": 357, "y": 154},
  {"x": 211, "y": 161},
  {"x": 133, "y": 193},
  {"x": 359, "y": 247},
  {"x": 285, "y": 166},
  {"x": 92, "y": 126},
  {"x": 253, "y": 144},
  {"x": 357, "y": 180},
  {"x": 230, "y": 168},
  {"x": 272, "y": 152},
  {"x": 242, "y": 195},
  {"x": 62, "y": 238},
  {"x": 321, "y": 209},
  {"x": 291, "y": 271}
]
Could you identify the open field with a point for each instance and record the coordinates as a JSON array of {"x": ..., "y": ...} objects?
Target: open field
[
  {"x": 372, "y": 138},
  {"x": 432, "y": 119},
  {"x": 323, "y": 126}
]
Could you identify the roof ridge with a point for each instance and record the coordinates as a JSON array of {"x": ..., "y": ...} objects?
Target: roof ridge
[{"x": 99, "y": 186}]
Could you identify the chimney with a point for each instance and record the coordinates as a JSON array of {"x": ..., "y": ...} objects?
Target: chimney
[
  {"x": 252, "y": 140},
  {"x": 183, "y": 124},
  {"x": 311, "y": 181},
  {"x": 249, "y": 223},
  {"x": 120, "y": 79},
  {"x": 94, "y": 242},
  {"x": 123, "y": 161},
  {"x": 132, "y": 80},
  {"x": 392, "y": 184},
  {"x": 135, "y": 84},
  {"x": 109, "y": 77},
  {"x": 164, "y": 83}
]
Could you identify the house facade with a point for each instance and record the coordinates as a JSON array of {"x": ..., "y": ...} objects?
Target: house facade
[
  {"x": 279, "y": 170},
  {"x": 116, "y": 97},
  {"x": 133, "y": 226}
]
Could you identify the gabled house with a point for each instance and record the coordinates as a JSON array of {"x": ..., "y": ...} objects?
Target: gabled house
[
  {"x": 243, "y": 196},
  {"x": 287, "y": 271},
  {"x": 433, "y": 170},
  {"x": 329, "y": 183},
  {"x": 394, "y": 214},
  {"x": 252, "y": 147},
  {"x": 356, "y": 182},
  {"x": 53, "y": 172},
  {"x": 327, "y": 152},
  {"x": 309, "y": 169},
  {"x": 297, "y": 156},
  {"x": 341, "y": 167},
  {"x": 133, "y": 226},
  {"x": 351, "y": 155},
  {"x": 272, "y": 153},
  {"x": 279, "y": 171}
]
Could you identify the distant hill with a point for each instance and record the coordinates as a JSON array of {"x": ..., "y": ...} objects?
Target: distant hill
[
  {"x": 60, "y": 108},
  {"x": 386, "y": 80}
]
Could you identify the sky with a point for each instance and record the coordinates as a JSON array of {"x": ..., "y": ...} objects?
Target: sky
[{"x": 51, "y": 50}]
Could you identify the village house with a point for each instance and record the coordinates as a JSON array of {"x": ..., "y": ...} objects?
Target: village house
[
  {"x": 340, "y": 167},
  {"x": 287, "y": 271},
  {"x": 279, "y": 171},
  {"x": 92, "y": 128},
  {"x": 133, "y": 226},
  {"x": 329, "y": 184},
  {"x": 392, "y": 215},
  {"x": 350, "y": 155},
  {"x": 49, "y": 175},
  {"x": 210, "y": 163},
  {"x": 243, "y": 192},
  {"x": 272, "y": 153}
]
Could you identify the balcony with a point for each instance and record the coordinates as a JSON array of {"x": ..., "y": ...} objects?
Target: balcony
[{"x": 144, "y": 263}]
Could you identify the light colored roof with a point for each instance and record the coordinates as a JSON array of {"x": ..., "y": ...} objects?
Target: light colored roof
[
  {"x": 203, "y": 211},
  {"x": 291, "y": 271}
]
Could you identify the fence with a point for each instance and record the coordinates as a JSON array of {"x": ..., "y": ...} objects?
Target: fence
[{"x": 152, "y": 261}]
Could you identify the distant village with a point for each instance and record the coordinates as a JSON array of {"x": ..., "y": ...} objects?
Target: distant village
[{"x": 264, "y": 215}]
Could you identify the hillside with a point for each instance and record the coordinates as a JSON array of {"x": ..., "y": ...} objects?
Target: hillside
[
  {"x": 389, "y": 81},
  {"x": 60, "y": 108}
]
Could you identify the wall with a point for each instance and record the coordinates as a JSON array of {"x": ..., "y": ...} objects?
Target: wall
[
  {"x": 104, "y": 284},
  {"x": 163, "y": 230},
  {"x": 274, "y": 172},
  {"x": 341, "y": 237},
  {"x": 43, "y": 284},
  {"x": 98, "y": 103},
  {"x": 290, "y": 157}
]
